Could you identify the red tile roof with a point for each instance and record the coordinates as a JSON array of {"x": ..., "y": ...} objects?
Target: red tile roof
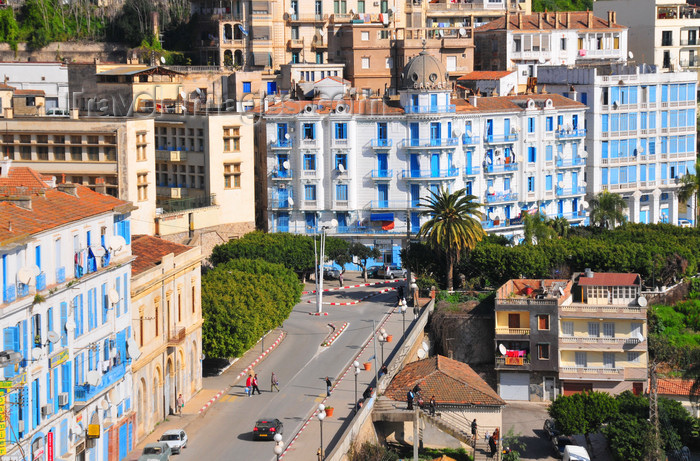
[
  {"x": 674, "y": 386},
  {"x": 546, "y": 21},
  {"x": 485, "y": 75},
  {"x": 50, "y": 207},
  {"x": 361, "y": 107},
  {"x": 450, "y": 381},
  {"x": 516, "y": 103},
  {"x": 29, "y": 92},
  {"x": 149, "y": 251},
  {"x": 610, "y": 279},
  {"x": 5, "y": 86}
]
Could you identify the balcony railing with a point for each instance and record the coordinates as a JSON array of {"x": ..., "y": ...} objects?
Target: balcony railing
[
  {"x": 429, "y": 109},
  {"x": 491, "y": 223},
  {"x": 382, "y": 174},
  {"x": 281, "y": 174},
  {"x": 177, "y": 336},
  {"x": 576, "y": 190},
  {"x": 87, "y": 392},
  {"x": 570, "y": 162},
  {"x": 690, "y": 63},
  {"x": 171, "y": 155},
  {"x": 41, "y": 281},
  {"x": 502, "y": 197},
  {"x": 430, "y": 142},
  {"x": 309, "y": 143},
  {"x": 22, "y": 290},
  {"x": 501, "y": 168},
  {"x": 575, "y": 133},
  {"x": 381, "y": 143},
  {"x": 600, "y": 341},
  {"x": 281, "y": 144},
  {"x": 9, "y": 295},
  {"x": 572, "y": 215},
  {"x": 602, "y": 372},
  {"x": 506, "y": 138},
  {"x": 513, "y": 331},
  {"x": 466, "y": 140},
  {"x": 60, "y": 275},
  {"x": 472, "y": 170},
  {"x": 430, "y": 174},
  {"x": 280, "y": 203},
  {"x": 171, "y": 206},
  {"x": 512, "y": 361},
  {"x": 388, "y": 204}
]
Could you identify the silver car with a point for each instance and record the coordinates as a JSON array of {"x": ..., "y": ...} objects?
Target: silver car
[
  {"x": 390, "y": 272},
  {"x": 159, "y": 451},
  {"x": 176, "y": 439}
]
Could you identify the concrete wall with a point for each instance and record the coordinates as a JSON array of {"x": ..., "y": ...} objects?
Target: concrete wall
[{"x": 72, "y": 51}]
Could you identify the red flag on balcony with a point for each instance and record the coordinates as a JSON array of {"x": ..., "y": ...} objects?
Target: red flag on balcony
[{"x": 387, "y": 225}]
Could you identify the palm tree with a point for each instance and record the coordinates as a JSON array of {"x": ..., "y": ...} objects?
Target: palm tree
[
  {"x": 690, "y": 187},
  {"x": 536, "y": 228},
  {"x": 560, "y": 225},
  {"x": 607, "y": 210},
  {"x": 454, "y": 225}
]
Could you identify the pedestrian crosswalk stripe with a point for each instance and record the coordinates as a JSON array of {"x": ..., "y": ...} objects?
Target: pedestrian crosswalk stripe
[{"x": 228, "y": 398}]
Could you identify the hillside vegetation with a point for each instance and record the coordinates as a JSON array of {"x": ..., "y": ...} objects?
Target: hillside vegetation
[{"x": 562, "y": 5}]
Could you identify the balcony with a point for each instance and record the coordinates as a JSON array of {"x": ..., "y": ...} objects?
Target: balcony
[
  {"x": 87, "y": 392},
  {"x": 504, "y": 303},
  {"x": 281, "y": 174},
  {"x": 171, "y": 191},
  {"x": 41, "y": 281},
  {"x": 381, "y": 144},
  {"x": 572, "y": 215},
  {"x": 575, "y": 133},
  {"x": 22, "y": 290},
  {"x": 690, "y": 62},
  {"x": 513, "y": 331},
  {"x": 172, "y": 206},
  {"x": 512, "y": 362},
  {"x": 587, "y": 373},
  {"x": 60, "y": 275},
  {"x": 566, "y": 191},
  {"x": 502, "y": 197},
  {"x": 430, "y": 109},
  {"x": 308, "y": 143},
  {"x": 388, "y": 204},
  {"x": 177, "y": 336},
  {"x": 281, "y": 144},
  {"x": 504, "y": 139},
  {"x": 382, "y": 174},
  {"x": 448, "y": 173},
  {"x": 341, "y": 143},
  {"x": 430, "y": 143},
  {"x": 9, "y": 295},
  {"x": 171, "y": 155},
  {"x": 469, "y": 140},
  {"x": 295, "y": 43},
  {"x": 501, "y": 223},
  {"x": 599, "y": 343},
  {"x": 280, "y": 203},
  {"x": 472, "y": 170},
  {"x": 501, "y": 168},
  {"x": 570, "y": 162},
  {"x": 581, "y": 310}
]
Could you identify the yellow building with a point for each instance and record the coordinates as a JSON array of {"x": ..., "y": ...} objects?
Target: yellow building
[{"x": 167, "y": 326}]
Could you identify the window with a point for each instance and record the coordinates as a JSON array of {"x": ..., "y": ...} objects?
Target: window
[
  {"x": 310, "y": 162},
  {"x": 232, "y": 175},
  {"x": 531, "y": 184},
  {"x": 295, "y": 36},
  {"x": 567, "y": 328},
  {"x": 309, "y": 131},
  {"x": 531, "y": 124},
  {"x": 341, "y": 159},
  {"x": 389, "y": 62},
  {"x": 246, "y": 87},
  {"x": 341, "y": 131},
  {"x": 310, "y": 192},
  {"x": 232, "y": 139},
  {"x": 532, "y": 154},
  {"x": 562, "y": 44},
  {"x": 581, "y": 359},
  {"x": 593, "y": 329},
  {"x": 548, "y": 182},
  {"x": 608, "y": 359},
  {"x": 543, "y": 351},
  {"x": 365, "y": 63},
  {"x": 451, "y": 63},
  {"x": 543, "y": 322},
  {"x": 364, "y": 36},
  {"x": 295, "y": 57},
  {"x": 549, "y": 125},
  {"x": 319, "y": 57},
  {"x": 608, "y": 330},
  {"x": 142, "y": 186},
  {"x": 633, "y": 357},
  {"x": 667, "y": 38},
  {"x": 517, "y": 45},
  {"x": 361, "y": 6},
  {"x": 341, "y": 192}
]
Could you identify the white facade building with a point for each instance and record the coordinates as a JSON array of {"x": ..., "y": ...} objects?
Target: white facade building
[
  {"x": 66, "y": 268},
  {"x": 49, "y": 77},
  {"x": 641, "y": 133},
  {"x": 366, "y": 164}
]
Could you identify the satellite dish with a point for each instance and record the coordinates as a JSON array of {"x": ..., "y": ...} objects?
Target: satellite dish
[
  {"x": 456, "y": 132},
  {"x": 492, "y": 190},
  {"x": 93, "y": 377},
  {"x": 290, "y": 10},
  {"x": 286, "y": 136},
  {"x": 541, "y": 60},
  {"x": 561, "y": 184},
  {"x": 183, "y": 95},
  {"x": 584, "y": 183},
  {"x": 321, "y": 33},
  {"x": 642, "y": 301},
  {"x": 53, "y": 337},
  {"x": 104, "y": 404},
  {"x": 291, "y": 201},
  {"x": 132, "y": 349},
  {"x": 199, "y": 92},
  {"x": 502, "y": 349},
  {"x": 462, "y": 32},
  {"x": 285, "y": 164},
  {"x": 469, "y": 133},
  {"x": 492, "y": 215},
  {"x": 162, "y": 59},
  {"x": 341, "y": 168},
  {"x": 113, "y": 296},
  {"x": 488, "y": 160},
  {"x": 182, "y": 107},
  {"x": 441, "y": 33},
  {"x": 334, "y": 222},
  {"x": 116, "y": 243},
  {"x": 36, "y": 353},
  {"x": 421, "y": 354},
  {"x": 98, "y": 250},
  {"x": 25, "y": 274},
  {"x": 584, "y": 204},
  {"x": 584, "y": 154},
  {"x": 425, "y": 346},
  {"x": 115, "y": 395},
  {"x": 631, "y": 55},
  {"x": 70, "y": 325}
]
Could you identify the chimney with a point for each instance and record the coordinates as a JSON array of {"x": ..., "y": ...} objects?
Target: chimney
[
  {"x": 8, "y": 112},
  {"x": 590, "y": 18},
  {"x": 568, "y": 18},
  {"x": 556, "y": 19},
  {"x": 74, "y": 114},
  {"x": 473, "y": 99},
  {"x": 5, "y": 165},
  {"x": 507, "y": 20},
  {"x": 614, "y": 17},
  {"x": 539, "y": 20},
  {"x": 520, "y": 20},
  {"x": 22, "y": 201},
  {"x": 610, "y": 18},
  {"x": 68, "y": 188}
]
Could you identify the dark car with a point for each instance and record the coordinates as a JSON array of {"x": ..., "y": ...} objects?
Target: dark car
[
  {"x": 373, "y": 270},
  {"x": 266, "y": 428},
  {"x": 559, "y": 443},
  {"x": 550, "y": 428},
  {"x": 330, "y": 273}
]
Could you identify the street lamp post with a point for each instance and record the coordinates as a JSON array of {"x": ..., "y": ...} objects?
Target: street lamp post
[
  {"x": 279, "y": 446},
  {"x": 382, "y": 339},
  {"x": 356, "y": 364},
  {"x": 321, "y": 416},
  {"x": 322, "y": 260},
  {"x": 403, "y": 308}
]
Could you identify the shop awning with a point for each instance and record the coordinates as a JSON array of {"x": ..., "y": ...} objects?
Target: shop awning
[{"x": 381, "y": 217}]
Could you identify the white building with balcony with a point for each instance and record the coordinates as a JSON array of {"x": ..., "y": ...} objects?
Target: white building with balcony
[
  {"x": 367, "y": 163},
  {"x": 641, "y": 133},
  {"x": 66, "y": 320},
  {"x": 523, "y": 42}
]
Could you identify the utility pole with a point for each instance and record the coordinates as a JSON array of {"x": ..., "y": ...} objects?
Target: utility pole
[{"x": 654, "y": 413}]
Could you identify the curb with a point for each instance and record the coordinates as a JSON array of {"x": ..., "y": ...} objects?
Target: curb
[
  {"x": 330, "y": 339},
  {"x": 318, "y": 314},
  {"x": 211, "y": 401},
  {"x": 262, "y": 356},
  {"x": 352, "y": 286},
  {"x": 352, "y": 303}
]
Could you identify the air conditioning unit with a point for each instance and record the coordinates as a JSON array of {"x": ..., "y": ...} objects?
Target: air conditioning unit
[
  {"x": 63, "y": 399},
  {"x": 46, "y": 410}
]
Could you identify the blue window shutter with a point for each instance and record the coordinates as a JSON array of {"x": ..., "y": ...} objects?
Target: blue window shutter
[
  {"x": 122, "y": 442},
  {"x": 126, "y": 293},
  {"x": 49, "y": 324},
  {"x": 90, "y": 310},
  {"x": 105, "y": 306},
  {"x": 117, "y": 307},
  {"x": 127, "y": 231},
  {"x": 25, "y": 344},
  {"x": 64, "y": 319},
  {"x": 82, "y": 316},
  {"x": 48, "y": 387},
  {"x": 130, "y": 430},
  {"x": 55, "y": 390},
  {"x": 12, "y": 407}
]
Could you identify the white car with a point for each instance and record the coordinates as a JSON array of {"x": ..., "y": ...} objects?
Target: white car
[
  {"x": 176, "y": 439},
  {"x": 684, "y": 223},
  {"x": 390, "y": 272}
]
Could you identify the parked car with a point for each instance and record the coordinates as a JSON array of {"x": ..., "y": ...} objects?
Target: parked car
[
  {"x": 175, "y": 438},
  {"x": 559, "y": 444},
  {"x": 575, "y": 453},
  {"x": 330, "y": 273},
  {"x": 550, "y": 428},
  {"x": 373, "y": 270},
  {"x": 684, "y": 223},
  {"x": 266, "y": 428},
  {"x": 159, "y": 451},
  {"x": 390, "y": 272}
]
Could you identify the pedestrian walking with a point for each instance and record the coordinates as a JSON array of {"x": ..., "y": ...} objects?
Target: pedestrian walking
[
  {"x": 486, "y": 436},
  {"x": 255, "y": 385},
  {"x": 432, "y": 406},
  {"x": 249, "y": 385},
  {"x": 367, "y": 394},
  {"x": 180, "y": 404},
  {"x": 496, "y": 434},
  {"x": 474, "y": 430},
  {"x": 492, "y": 446},
  {"x": 409, "y": 399},
  {"x": 416, "y": 311},
  {"x": 273, "y": 382},
  {"x": 329, "y": 385},
  {"x": 340, "y": 279}
]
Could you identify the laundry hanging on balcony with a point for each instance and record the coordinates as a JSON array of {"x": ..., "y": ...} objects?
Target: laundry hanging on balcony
[
  {"x": 243, "y": 31},
  {"x": 387, "y": 225}
]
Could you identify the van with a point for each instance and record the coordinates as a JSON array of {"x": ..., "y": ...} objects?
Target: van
[{"x": 575, "y": 453}]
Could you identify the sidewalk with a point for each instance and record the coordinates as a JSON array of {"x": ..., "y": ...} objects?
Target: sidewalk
[
  {"x": 304, "y": 445},
  {"x": 212, "y": 388}
]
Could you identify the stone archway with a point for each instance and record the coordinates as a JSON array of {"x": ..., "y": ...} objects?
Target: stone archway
[
  {"x": 158, "y": 415},
  {"x": 168, "y": 390},
  {"x": 228, "y": 58},
  {"x": 238, "y": 58},
  {"x": 142, "y": 413}
]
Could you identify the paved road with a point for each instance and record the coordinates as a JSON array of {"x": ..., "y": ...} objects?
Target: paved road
[{"x": 301, "y": 365}]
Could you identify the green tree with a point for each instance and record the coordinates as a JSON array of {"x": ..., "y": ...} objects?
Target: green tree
[
  {"x": 513, "y": 446},
  {"x": 607, "y": 210},
  {"x": 690, "y": 188},
  {"x": 583, "y": 413},
  {"x": 560, "y": 225},
  {"x": 628, "y": 437},
  {"x": 361, "y": 254},
  {"x": 536, "y": 228},
  {"x": 9, "y": 30},
  {"x": 454, "y": 225}
]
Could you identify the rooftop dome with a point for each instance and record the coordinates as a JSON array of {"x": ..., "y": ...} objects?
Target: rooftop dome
[{"x": 424, "y": 72}]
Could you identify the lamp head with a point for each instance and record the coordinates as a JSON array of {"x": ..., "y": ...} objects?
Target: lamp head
[
  {"x": 382, "y": 331},
  {"x": 321, "y": 407},
  {"x": 278, "y": 438},
  {"x": 403, "y": 308},
  {"x": 321, "y": 416},
  {"x": 357, "y": 371},
  {"x": 278, "y": 449},
  {"x": 356, "y": 364}
]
